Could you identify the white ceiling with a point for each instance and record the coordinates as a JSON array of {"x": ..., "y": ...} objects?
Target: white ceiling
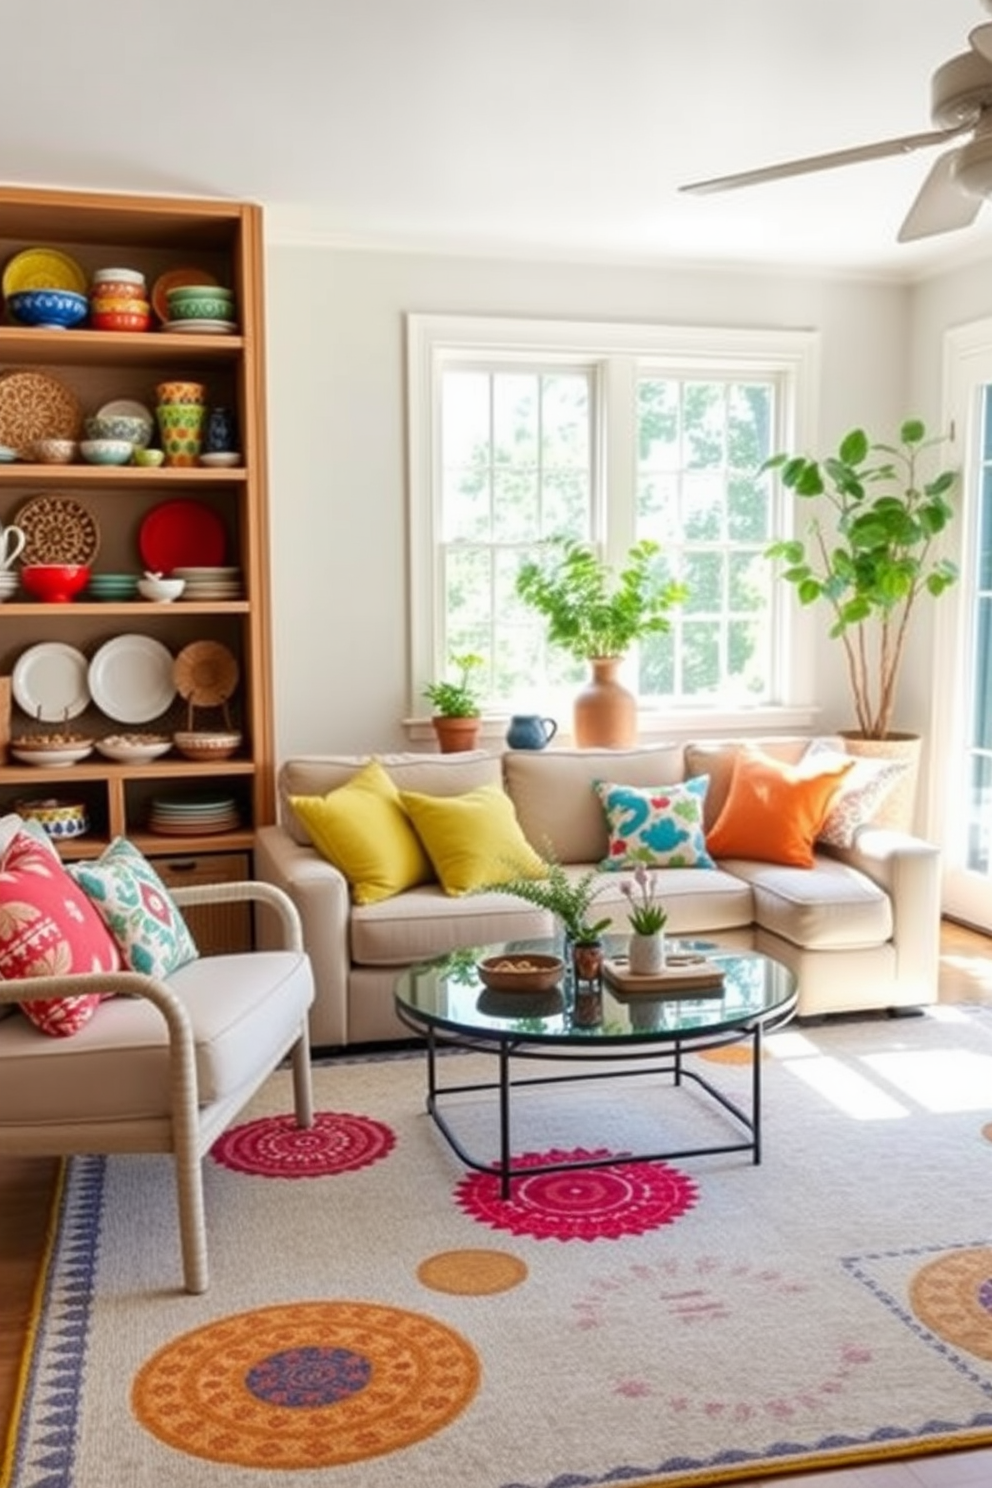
[{"x": 546, "y": 127}]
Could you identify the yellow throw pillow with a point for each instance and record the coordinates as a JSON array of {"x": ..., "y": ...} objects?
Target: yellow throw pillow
[
  {"x": 363, "y": 830},
  {"x": 473, "y": 839},
  {"x": 773, "y": 812}
]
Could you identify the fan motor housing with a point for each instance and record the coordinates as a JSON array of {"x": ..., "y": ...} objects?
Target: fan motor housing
[{"x": 961, "y": 91}]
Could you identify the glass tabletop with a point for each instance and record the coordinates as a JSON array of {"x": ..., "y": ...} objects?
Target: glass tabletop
[{"x": 447, "y": 993}]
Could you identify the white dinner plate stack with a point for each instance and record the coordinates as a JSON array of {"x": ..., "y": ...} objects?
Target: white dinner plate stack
[
  {"x": 193, "y": 814},
  {"x": 210, "y": 583}
]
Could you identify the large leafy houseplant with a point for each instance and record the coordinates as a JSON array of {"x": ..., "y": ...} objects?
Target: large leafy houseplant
[
  {"x": 591, "y": 610},
  {"x": 879, "y": 561}
]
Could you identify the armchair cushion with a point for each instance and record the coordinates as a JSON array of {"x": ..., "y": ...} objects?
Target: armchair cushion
[
  {"x": 137, "y": 909},
  {"x": 49, "y": 928}
]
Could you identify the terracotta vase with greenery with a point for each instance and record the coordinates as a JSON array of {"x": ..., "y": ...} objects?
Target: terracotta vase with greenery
[{"x": 596, "y": 615}]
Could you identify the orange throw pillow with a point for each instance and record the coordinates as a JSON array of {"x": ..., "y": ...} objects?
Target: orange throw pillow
[{"x": 773, "y": 812}]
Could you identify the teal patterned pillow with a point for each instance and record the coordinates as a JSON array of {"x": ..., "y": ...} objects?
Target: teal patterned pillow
[
  {"x": 137, "y": 909},
  {"x": 661, "y": 826}
]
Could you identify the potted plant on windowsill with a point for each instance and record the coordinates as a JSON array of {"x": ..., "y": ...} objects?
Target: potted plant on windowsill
[
  {"x": 875, "y": 565},
  {"x": 596, "y": 615},
  {"x": 457, "y": 705}
]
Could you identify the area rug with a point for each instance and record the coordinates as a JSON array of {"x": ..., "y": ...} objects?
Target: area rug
[{"x": 378, "y": 1316}]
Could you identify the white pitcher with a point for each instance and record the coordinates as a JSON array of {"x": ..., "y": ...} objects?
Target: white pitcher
[{"x": 12, "y": 541}]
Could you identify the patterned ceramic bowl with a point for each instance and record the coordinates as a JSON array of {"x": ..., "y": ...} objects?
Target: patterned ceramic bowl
[
  {"x": 134, "y": 430},
  {"x": 119, "y": 320},
  {"x": 48, "y": 309},
  {"x": 55, "y": 451},
  {"x": 106, "y": 451},
  {"x": 204, "y": 747},
  {"x": 60, "y": 819}
]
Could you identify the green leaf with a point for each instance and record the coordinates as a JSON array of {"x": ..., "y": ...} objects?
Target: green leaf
[
  {"x": 912, "y": 432},
  {"x": 854, "y": 447}
]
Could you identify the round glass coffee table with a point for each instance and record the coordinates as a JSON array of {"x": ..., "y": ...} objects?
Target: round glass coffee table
[{"x": 445, "y": 1002}]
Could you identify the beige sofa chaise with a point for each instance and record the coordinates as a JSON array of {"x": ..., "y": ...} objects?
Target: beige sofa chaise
[{"x": 860, "y": 929}]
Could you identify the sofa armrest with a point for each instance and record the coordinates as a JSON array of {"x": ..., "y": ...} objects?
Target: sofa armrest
[
  {"x": 322, "y": 899},
  {"x": 909, "y": 870}
]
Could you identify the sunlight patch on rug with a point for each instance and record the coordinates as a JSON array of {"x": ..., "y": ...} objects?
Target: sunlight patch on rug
[
  {"x": 305, "y": 1385},
  {"x": 275, "y": 1147},
  {"x": 603, "y": 1203}
]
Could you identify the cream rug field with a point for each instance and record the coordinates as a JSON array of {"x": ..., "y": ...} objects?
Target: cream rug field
[{"x": 378, "y": 1317}]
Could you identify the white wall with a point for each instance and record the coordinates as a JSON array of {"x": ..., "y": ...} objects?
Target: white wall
[{"x": 336, "y": 400}]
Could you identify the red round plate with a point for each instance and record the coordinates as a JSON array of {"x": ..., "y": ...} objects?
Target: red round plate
[{"x": 182, "y": 534}]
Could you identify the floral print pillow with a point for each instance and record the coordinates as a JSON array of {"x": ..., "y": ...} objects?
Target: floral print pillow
[
  {"x": 660, "y": 826},
  {"x": 137, "y": 909}
]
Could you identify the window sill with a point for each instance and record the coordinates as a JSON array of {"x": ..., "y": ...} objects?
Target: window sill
[{"x": 653, "y": 726}]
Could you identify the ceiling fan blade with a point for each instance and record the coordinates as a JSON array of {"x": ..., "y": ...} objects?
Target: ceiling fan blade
[
  {"x": 904, "y": 145},
  {"x": 941, "y": 205},
  {"x": 981, "y": 41}
]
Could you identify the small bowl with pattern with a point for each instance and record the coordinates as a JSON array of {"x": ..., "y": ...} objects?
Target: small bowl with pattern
[
  {"x": 120, "y": 320},
  {"x": 204, "y": 746},
  {"x": 136, "y": 431},
  {"x": 55, "y": 583},
  {"x": 48, "y": 309},
  {"x": 106, "y": 451},
  {"x": 61, "y": 820},
  {"x": 55, "y": 451},
  {"x": 523, "y": 971},
  {"x": 208, "y": 305}
]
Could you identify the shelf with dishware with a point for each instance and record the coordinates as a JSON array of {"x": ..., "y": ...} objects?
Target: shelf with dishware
[{"x": 189, "y": 277}]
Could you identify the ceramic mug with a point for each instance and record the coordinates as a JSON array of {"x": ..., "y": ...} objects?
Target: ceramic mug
[
  {"x": 12, "y": 541},
  {"x": 530, "y": 731}
]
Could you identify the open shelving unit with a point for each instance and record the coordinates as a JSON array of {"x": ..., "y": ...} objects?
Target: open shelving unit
[{"x": 152, "y": 234}]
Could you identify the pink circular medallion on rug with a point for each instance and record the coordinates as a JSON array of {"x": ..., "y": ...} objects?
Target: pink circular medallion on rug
[
  {"x": 603, "y": 1203},
  {"x": 275, "y": 1147}
]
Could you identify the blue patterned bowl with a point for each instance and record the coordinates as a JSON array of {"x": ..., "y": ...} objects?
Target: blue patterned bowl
[{"x": 48, "y": 309}]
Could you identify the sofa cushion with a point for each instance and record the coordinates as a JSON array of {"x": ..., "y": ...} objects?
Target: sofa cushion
[
  {"x": 661, "y": 826},
  {"x": 828, "y": 907},
  {"x": 773, "y": 811},
  {"x": 473, "y": 839},
  {"x": 238, "y": 1005},
  {"x": 49, "y": 928},
  {"x": 715, "y": 758},
  {"x": 362, "y": 828},
  {"x": 863, "y": 790},
  {"x": 557, "y": 807},
  {"x": 137, "y": 909},
  {"x": 435, "y": 774}
]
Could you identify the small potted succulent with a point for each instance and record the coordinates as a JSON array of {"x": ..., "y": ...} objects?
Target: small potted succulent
[
  {"x": 647, "y": 917},
  {"x": 457, "y": 705}
]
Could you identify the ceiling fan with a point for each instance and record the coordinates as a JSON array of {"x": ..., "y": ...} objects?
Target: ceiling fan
[{"x": 952, "y": 192}]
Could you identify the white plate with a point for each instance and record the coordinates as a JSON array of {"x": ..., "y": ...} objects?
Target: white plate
[
  {"x": 132, "y": 754},
  {"x": 49, "y": 682},
  {"x": 201, "y": 327},
  {"x": 126, "y": 408},
  {"x": 52, "y": 759},
  {"x": 131, "y": 679}
]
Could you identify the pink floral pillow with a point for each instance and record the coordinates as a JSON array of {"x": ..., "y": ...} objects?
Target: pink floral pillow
[{"x": 49, "y": 928}]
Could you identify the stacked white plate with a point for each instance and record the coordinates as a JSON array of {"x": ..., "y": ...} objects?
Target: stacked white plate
[
  {"x": 8, "y": 584},
  {"x": 210, "y": 583},
  {"x": 193, "y": 815}
]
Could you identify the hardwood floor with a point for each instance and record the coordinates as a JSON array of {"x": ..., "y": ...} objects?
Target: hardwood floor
[{"x": 27, "y": 1186}]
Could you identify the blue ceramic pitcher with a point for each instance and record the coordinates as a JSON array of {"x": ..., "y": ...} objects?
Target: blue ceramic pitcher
[{"x": 530, "y": 731}]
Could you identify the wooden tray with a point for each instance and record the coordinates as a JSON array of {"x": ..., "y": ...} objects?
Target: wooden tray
[{"x": 689, "y": 977}]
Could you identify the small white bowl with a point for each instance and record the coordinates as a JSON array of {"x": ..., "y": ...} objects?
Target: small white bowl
[
  {"x": 106, "y": 451},
  {"x": 221, "y": 459},
  {"x": 161, "y": 591}
]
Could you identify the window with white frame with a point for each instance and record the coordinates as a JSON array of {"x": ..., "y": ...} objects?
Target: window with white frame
[{"x": 520, "y": 431}]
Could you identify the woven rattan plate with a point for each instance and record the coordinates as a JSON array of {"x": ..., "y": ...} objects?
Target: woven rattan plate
[
  {"x": 58, "y": 530},
  {"x": 35, "y": 406},
  {"x": 205, "y": 674}
]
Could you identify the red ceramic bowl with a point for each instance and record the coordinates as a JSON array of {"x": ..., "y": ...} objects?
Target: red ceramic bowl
[
  {"x": 55, "y": 583},
  {"x": 119, "y": 320}
]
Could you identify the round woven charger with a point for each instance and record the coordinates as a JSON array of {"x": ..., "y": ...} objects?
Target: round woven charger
[
  {"x": 58, "y": 530},
  {"x": 35, "y": 406},
  {"x": 205, "y": 674}
]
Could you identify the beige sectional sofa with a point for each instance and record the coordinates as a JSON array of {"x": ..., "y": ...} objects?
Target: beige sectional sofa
[{"x": 860, "y": 929}]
